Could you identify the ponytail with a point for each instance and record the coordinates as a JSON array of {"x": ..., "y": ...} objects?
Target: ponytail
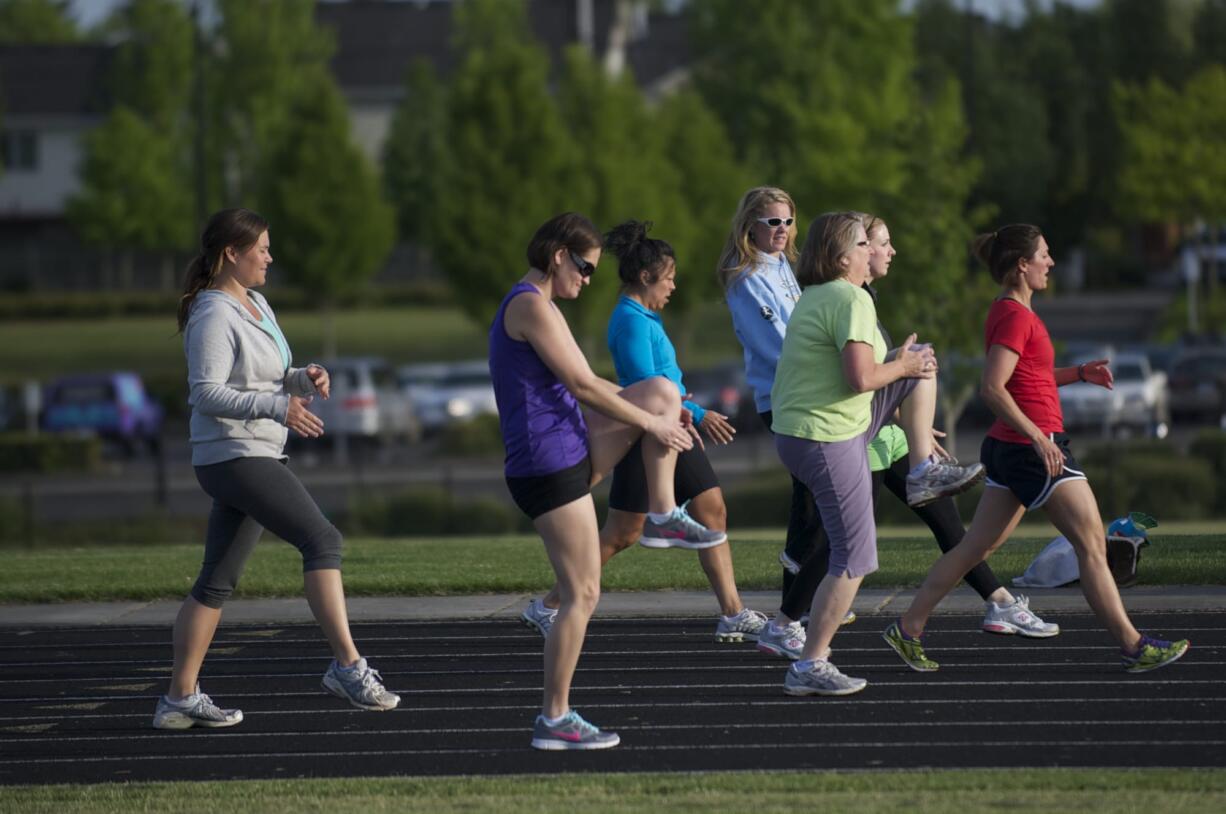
[
  {"x": 636, "y": 252},
  {"x": 1001, "y": 250}
]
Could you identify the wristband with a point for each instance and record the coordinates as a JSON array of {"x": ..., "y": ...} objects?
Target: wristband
[{"x": 1081, "y": 372}]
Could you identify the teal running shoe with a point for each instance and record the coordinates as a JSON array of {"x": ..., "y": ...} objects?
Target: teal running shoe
[{"x": 571, "y": 733}]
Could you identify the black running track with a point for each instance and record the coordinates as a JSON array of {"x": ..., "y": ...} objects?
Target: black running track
[{"x": 76, "y": 704}]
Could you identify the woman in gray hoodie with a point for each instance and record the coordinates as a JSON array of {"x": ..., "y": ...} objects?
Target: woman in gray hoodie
[{"x": 245, "y": 396}]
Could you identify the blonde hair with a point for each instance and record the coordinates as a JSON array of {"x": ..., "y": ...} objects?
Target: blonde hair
[
  {"x": 831, "y": 236},
  {"x": 870, "y": 222},
  {"x": 739, "y": 252}
]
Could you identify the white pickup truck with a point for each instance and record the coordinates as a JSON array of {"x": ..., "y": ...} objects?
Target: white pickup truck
[{"x": 1138, "y": 404}]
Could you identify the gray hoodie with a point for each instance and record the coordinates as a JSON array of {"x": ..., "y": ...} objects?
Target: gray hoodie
[{"x": 239, "y": 388}]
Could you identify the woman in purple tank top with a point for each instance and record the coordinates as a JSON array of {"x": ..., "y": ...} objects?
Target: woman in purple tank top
[{"x": 556, "y": 451}]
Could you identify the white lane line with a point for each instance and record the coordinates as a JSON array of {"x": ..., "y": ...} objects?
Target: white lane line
[
  {"x": 699, "y": 747},
  {"x": 738, "y": 703},
  {"x": 765, "y": 666},
  {"x": 774, "y": 727},
  {"x": 514, "y": 634}
]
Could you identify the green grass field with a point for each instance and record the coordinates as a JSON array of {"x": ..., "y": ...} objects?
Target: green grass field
[
  {"x": 1041, "y": 790},
  {"x": 467, "y": 565}
]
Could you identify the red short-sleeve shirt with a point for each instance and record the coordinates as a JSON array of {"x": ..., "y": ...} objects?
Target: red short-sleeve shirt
[{"x": 1033, "y": 383}]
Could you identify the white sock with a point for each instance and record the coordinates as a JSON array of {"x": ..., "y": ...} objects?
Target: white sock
[
  {"x": 656, "y": 517},
  {"x": 555, "y": 721}
]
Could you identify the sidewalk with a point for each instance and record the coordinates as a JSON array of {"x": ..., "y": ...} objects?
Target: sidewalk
[{"x": 1045, "y": 601}]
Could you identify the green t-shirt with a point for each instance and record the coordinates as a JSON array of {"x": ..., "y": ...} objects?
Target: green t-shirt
[
  {"x": 887, "y": 447},
  {"x": 811, "y": 398}
]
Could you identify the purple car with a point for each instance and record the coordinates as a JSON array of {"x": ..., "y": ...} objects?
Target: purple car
[{"x": 114, "y": 406}]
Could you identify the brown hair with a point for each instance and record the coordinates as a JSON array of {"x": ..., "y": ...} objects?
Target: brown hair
[
  {"x": 831, "y": 236},
  {"x": 570, "y": 230},
  {"x": 636, "y": 253},
  {"x": 240, "y": 228},
  {"x": 1001, "y": 250},
  {"x": 739, "y": 252}
]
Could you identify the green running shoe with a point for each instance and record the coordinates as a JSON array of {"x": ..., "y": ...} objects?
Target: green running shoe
[
  {"x": 1152, "y": 654},
  {"x": 911, "y": 650}
]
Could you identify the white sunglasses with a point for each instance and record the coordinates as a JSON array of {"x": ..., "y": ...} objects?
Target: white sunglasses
[{"x": 773, "y": 222}]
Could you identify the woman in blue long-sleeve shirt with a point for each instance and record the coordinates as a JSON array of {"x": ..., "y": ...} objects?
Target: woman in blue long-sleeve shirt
[{"x": 641, "y": 349}]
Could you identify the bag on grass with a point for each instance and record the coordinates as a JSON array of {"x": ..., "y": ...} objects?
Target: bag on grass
[{"x": 1056, "y": 564}]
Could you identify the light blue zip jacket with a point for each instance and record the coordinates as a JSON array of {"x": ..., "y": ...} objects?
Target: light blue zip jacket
[
  {"x": 761, "y": 300},
  {"x": 239, "y": 380}
]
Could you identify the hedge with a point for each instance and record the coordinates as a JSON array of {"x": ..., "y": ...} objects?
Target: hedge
[{"x": 46, "y": 452}]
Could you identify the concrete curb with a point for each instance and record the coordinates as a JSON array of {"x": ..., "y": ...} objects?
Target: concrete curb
[{"x": 1045, "y": 601}]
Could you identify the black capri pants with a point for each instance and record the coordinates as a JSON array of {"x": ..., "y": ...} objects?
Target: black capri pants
[{"x": 250, "y": 495}]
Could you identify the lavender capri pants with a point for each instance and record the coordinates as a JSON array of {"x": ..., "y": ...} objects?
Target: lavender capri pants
[{"x": 837, "y": 475}]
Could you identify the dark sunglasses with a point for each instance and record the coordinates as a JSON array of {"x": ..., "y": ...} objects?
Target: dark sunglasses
[
  {"x": 585, "y": 268},
  {"x": 773, "y": 222}
]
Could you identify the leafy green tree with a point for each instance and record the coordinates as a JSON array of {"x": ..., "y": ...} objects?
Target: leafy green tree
[
  {"x": 415, "y": 143},
  {"x": 133, "y": 196},
  {"x": 623, "y": 173},
  {"x": 330, "y": 227},
  {"x": 264, "y": 52},
  {"x": 510, "y": 163},
  {"x": 135, "y": 192},
  {"x": 36, "y": 22}
]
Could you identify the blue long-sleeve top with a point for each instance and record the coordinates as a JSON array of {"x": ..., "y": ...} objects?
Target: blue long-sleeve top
[
  {"x": 761, "y": 300},
  {"x": 642, "y": 349}
]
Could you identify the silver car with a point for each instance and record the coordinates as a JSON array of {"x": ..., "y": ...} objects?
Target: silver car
[
  {"x": 444, "y": 392},
  {"x": 365, "y": 402}
]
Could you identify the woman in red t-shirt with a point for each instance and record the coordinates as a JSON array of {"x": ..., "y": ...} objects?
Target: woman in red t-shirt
[{"x": 1027, "y": 458}]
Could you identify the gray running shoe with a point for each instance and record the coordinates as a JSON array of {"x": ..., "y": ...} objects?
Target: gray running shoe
[
  {"x": 1017, "y": 618},
  {"x": 196, "y": 709},
  {"x": 572, "y": 733},
  {"x": 539, "y": 616},
  {"x": 782, "y": 641},
  {"x": 680, "y": 531},
  {"x": 823, "y": 679},
  {"x": 941, "y": 479},
  {"x": 360, "y": 685},
  {"x": 745, "y": 625}
]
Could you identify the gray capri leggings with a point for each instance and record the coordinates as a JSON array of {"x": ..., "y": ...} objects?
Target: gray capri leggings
[{"x": 250, "y": 495}]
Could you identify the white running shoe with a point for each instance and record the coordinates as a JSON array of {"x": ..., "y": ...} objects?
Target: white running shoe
[
  {"x": 746, "y": 625},
  {"x": 1017, "y": 618},
  {"x": 823, "y": 678},
  {"x": 360, "y": 685},
  {"x": 196, "y": 709}
]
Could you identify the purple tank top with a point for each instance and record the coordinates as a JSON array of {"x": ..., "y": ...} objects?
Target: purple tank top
[{"x": 542, "y": 425}]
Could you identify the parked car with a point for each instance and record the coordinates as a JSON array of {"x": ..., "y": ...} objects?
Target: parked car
[
  {"x": 1139, "y": 401},
  {"x": 113, "y": 406},
  {"x": 444, "y": 392},
  {"x": 1198, "y": 383},
  {"x": 365, "y": 402},
  {"x": 723, "y": 388}
]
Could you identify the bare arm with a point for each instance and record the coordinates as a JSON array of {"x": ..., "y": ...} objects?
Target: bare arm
[
  {"x": 535, "y": 320},
  {"x": 999, "y": 369},
  {"x": 863, "y": 374}
]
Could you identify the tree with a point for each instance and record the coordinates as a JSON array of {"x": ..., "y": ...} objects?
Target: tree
[
  {"x": 133, "y": 193},
  {"x": 331, "y": 229},
  {"x": 39, "y": 22},
  {"x": 510, "y": 163},
  {"x": 415, "y": 144},
  {"x": 265, "y": 51}
]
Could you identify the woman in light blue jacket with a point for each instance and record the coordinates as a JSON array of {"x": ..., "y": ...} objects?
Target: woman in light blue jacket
[{"x": 245, "y": 397}]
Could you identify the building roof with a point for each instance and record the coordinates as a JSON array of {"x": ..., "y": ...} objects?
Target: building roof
[
  {"x": 54, "y": 80},
  {"x": 377, "y": 40}
]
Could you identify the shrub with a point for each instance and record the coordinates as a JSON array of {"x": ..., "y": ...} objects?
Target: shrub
[
  {"x": 479, "y": 436},
  {"x": 1210, "y": 446},
  {"x": 20, "y": 452},
  {"x": 425, "y": 511},
  {"x": 1168, "y": 487}
]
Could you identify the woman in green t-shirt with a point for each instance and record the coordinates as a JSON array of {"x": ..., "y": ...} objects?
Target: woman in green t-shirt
[{"x": 834, "y": 389}]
